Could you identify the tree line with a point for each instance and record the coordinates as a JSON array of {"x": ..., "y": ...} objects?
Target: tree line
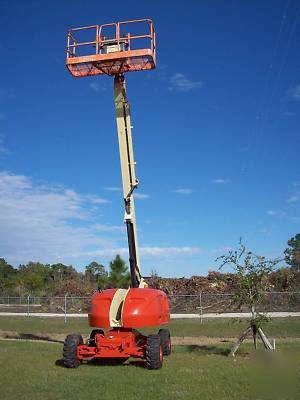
[{"x": 59, "y": 279}]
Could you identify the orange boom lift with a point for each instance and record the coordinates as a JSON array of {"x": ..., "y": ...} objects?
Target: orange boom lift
[{"x": 114, "y": 49}]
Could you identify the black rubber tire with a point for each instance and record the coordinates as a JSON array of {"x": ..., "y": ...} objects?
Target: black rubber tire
[
  {"x": 165, "y": 339},
  {"x": 154, "y": 352},
  {"x": 70, "y": 350},
  {"x": 92, "y": 336}
]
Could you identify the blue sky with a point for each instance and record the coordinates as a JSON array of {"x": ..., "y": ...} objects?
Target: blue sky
[{"x": 216, "y": 135}]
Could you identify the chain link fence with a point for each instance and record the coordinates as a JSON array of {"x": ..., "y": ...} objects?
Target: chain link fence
[{"x": 201, "y": 304}]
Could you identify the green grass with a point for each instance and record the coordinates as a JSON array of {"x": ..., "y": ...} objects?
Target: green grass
[
  {"x": 224, "y": 328},
  {"x": 32, "y": 371}
]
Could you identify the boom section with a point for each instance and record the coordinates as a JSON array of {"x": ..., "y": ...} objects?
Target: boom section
[{"x": 129, "y": 180}]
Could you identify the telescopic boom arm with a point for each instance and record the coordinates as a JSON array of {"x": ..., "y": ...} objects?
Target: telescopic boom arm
[{"x": 129, "y": 180}]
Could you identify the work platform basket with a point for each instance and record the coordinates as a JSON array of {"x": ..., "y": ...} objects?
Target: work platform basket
[{"x": 111, "y": 48}]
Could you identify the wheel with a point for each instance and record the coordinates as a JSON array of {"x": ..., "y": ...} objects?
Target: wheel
[
  {"x": 70, "y": 350},
  {"x": 91, "y": 341},
  {"x": 154, "y": 352},
  {"x": 165, "y": 339}
]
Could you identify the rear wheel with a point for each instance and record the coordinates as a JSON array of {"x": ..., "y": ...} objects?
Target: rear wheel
[
  {"x": 165, "y": 339},
  {"x": 154, "y": 352},
  {"x": 70, "y": 350}
]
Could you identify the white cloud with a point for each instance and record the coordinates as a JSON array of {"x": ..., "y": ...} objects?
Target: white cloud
[
  {"x": 221, "y": 250},
  {"x": 46, "y": 222},
  {"x": 183, "y": 191},
  {"x": 113, "y": 189},
  {"x": 108, "y": 228},
  {"x": 97, "y": 87},
  {"x": 148, "y": 251},
  {"x": 295, "y": 92},
  {"x": 279, "y": 213},
  {"x": 181, "y": 83},
  {"x": 141, "y": 196},
  {"x": 293, "y": 199},
  {"x": 52, "y": 223},
  {"x": 220, "y": 181},
  {"x": 96, "y": 200},
  {"x": 169, "y": 251}
]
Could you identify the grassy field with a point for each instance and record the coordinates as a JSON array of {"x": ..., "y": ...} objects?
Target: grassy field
[
  {"x": 33, "y": 371},
  {"x": 223, "y": 328}
]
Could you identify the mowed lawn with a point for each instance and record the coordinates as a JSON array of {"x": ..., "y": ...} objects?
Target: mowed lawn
[
  {"x": 222, "y": 328},
  {"x": 33, "y": 371}
]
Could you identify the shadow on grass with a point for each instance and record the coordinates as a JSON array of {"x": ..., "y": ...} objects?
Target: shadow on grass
[
  {"x": 138, "y": 364},
  {"x": 107, "y": 361},
  {"x": 31, "y": 336},
  {"x": 60, "y": 363},
  {"x": 112, "y": 362},
  {"x": 215, "y": 350},
  {"x": 208, "y": 349}
]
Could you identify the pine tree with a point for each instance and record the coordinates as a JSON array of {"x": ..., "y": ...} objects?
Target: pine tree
[
  {"x": 292, "y": 253},
  {"x": 119, "y": 276}
]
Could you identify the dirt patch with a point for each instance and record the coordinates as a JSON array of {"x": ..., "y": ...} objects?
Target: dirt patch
[{"x": 200, "y": 340}]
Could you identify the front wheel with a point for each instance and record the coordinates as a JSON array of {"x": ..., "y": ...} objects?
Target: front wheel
[
  {"x": 154, "y": 352},
  {"x": 70, "y": 350},
  {"x": 165, "y": 339}
]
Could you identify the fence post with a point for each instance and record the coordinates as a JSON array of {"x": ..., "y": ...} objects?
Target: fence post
[
  {"x": 65, "y": 308},
  {"x": 201, "y": 310},
  {"x": 28, "y": 305}
]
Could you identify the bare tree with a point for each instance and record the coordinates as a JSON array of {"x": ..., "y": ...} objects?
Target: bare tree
[{"x": 252, "y": 273}]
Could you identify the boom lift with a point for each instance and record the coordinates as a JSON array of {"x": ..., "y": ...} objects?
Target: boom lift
[{"x": 114, "y": 49}]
